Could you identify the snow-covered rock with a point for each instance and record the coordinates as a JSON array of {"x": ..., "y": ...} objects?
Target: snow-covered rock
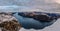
[{"x": 9, "y": 22}]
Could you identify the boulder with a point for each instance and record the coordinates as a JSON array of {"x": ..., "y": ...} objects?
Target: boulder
[{"x": 9, "y": 22}]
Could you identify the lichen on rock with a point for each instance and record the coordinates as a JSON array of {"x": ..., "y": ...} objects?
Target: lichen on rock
[{"x": 9, "y": 22}]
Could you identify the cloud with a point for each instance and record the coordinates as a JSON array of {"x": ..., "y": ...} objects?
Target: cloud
[
  {"x": 29, "y": 5},
  {"x": 57, "y": 1}
]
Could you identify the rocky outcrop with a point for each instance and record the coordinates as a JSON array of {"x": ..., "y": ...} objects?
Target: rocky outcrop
[
  {"x": 42, "y": 17},
  {"x": 9, "y": 22}
]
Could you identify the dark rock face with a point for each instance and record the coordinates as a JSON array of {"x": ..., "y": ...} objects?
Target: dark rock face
[{"x": 40, "y": 17}]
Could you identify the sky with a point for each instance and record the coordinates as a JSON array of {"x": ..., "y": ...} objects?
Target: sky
[
  {"x": 30, "y": 5},
  {"x": 57, "y": 1}
]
